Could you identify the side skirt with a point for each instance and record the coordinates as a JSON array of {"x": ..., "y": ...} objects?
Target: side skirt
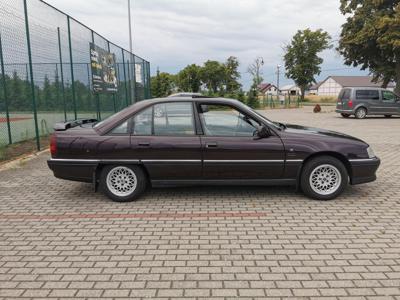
[{"x": 216, "y": 182}]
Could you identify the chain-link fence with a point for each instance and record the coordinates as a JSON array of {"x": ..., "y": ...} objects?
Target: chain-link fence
[{"x": 45, "y": 74}]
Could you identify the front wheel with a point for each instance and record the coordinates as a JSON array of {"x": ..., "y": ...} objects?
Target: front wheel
[
  {"x": 324, "y": 178},
  {"x": 123, "y": 183}
]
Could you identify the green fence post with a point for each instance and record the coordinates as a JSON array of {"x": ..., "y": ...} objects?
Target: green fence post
[
  {"x": 89, "y": 85},
  {"x": 149, "y": 80},
  {"x": 5, "y": 92},
  {"x": 113, "y": 94},
  {"x": 129, "y": 82},
  {"x": 72, "y": 68},
  {"x": 28, "y": 42},
  {"x": 125, "y": 81},
  {"x": 97, "y": 96},
  {"x": 134, "y": 78},
  {"x": 62, "y": 73}
]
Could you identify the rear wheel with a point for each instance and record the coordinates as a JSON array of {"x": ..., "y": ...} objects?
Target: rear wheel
[
  {"x": 388, "y": 116},
  {"x": 123, "y": 183},
  {"x": 345, "y": 115},
  {"x": 361, "y": 113},
  {"x": 324, "y": 178}
]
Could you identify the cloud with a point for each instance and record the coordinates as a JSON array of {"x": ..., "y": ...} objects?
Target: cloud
[{"x": 174, "y": 33}]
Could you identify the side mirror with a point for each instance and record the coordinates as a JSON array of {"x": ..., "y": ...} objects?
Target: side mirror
[{"x": 262, "y": 132}]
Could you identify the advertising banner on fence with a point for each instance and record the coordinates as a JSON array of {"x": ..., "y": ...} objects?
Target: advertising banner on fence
[{"x": 104, "y": 75}]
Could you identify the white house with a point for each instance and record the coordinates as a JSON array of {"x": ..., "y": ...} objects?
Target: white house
[
  {"x": 267, "y": 89},
  {"x": 290, "y": 89},
  {"x": 332, "y": 85}
]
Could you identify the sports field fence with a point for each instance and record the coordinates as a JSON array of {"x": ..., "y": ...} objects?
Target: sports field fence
[{"x": 46, "y": 74}]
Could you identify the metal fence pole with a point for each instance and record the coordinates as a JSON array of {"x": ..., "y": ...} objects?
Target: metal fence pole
[
  {"x": 62, "y": 73},
  {"x": 113, "y": 94},
  {"x": 129, "y": 82},
  {"x": 89, "y": 85},
  {"x": 97, "y": 96},
  {"x": 28, "y": 42},
  {"x": 5, "y": 92},
  {"x": 72, "y": 68},
  {"x": 134, "y": 78},
  {"x": 125, "y": 83},
  {"x": 149, "y": 79}
]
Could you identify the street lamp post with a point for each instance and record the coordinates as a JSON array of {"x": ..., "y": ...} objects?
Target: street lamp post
[{"x": 130, "y": 26}]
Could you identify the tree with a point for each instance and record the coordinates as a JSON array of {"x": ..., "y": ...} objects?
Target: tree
[
  {"x": 302, "y": 62},
  {"x": 232, "y": 76},
  {"x": 213, "y": 76},
  {"x": 189, "y": 79},
  {"x": 255, "y": 70},
  {"x": 252, "y": 96},
  {"x": 162, "y": 85},
  {"x": 370, "y": 38}
]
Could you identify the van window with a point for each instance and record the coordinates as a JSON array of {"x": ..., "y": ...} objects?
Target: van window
[
  {"x": 345, "y": 94},
  {"x": 367, "y": 94}
]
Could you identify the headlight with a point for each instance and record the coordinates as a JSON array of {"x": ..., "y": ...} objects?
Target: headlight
[{"x": 370, "y": 152}]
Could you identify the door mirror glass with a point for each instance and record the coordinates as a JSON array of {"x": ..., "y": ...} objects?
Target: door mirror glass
[{"x": 262, "y": 132}]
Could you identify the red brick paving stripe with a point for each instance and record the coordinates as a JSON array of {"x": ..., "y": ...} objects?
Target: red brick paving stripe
[
  {"x": 160, "y": 215},
  {"x": 3, "y": 120}
]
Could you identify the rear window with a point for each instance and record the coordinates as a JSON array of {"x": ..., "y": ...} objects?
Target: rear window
[
  {"x": 367, "y": 94},
  {"x": 345, "y": 94}
]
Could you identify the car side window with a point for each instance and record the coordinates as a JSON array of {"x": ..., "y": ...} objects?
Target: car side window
[
  {"x": 142, "y": 122},
  {"x": 388, "y": 96},
  {"x": 367, "y": 94},
  {"x": 174, "y": 118},
  {"x": 121, "y": 129},
  {"x": 224, "y": 120}
]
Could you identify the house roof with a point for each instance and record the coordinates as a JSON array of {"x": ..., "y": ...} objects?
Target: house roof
[
  {"x": 357, "y": 81},
  {"x": 316, "y": 86},
  {"x": 289, "y": 87}
]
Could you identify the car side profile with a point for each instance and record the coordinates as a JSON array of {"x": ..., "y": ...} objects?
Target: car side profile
[
  {"x": 205, "y": 141},
  {"x": 361, "y": 102}
]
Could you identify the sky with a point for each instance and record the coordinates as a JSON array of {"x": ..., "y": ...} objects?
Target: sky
[{"x": 174, "y": 33}]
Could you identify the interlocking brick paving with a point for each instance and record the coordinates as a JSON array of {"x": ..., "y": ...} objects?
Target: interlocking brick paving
[{"x": 60, "y": 240}]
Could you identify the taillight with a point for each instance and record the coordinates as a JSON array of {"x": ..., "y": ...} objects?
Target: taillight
[
  {"x": 53, "y": 145},
  {"x": 350, "y": 103}
]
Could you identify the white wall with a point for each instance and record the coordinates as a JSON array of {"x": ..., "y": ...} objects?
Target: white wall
[{"x": 329, "y": 88}]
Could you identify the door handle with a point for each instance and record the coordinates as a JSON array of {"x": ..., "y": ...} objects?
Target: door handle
[
  {"x": 144, "y": 144},
  {"x": 211, "y": 145}
]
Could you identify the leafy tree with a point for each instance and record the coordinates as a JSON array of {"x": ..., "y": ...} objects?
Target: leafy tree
[
  {"x": 188, "y": 79},
  {"x": 232, "y": 75},
  {"x": 370, "y": 38},
  {"x": 213, "y": 76},
  {"x": 302, "y": 62},
  {"x": 162, "y": 84}
]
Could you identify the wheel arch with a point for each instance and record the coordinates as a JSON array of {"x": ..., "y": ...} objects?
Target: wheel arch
[{"x": 334, "y": 154}]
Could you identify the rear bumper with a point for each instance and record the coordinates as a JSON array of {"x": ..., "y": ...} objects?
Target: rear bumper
[
  {"x": 344, "y": 111},
  {"x": 77, "y": 170},
  {"x": 364, "y": 170}
]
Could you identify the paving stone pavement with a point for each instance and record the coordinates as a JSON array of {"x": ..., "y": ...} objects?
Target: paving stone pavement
[{"x": 59, "y": 239}]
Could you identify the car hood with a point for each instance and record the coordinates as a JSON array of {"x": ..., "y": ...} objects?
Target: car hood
[{"x": 298, "y": 129}]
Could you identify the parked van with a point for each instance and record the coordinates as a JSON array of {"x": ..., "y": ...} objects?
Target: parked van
[{"x": 361, "y": 102}]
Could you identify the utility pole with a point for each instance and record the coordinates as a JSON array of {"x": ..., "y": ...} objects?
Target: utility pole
[
  {"x": 278, "y": 73},
  {"x": 130, "y": 26}
]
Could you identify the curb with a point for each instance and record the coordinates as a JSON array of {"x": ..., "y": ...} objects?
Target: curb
[{"x": 18, "y": 162}]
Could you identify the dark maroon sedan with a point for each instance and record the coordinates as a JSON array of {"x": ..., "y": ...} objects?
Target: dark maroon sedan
[{"x": 208, "y": 141}]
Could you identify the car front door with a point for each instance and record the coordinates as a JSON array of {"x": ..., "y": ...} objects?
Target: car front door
[
  {"x": 164, "y": 138},
  {"x": 390, "y": 103},
  {"x": 230, "y": 150}
]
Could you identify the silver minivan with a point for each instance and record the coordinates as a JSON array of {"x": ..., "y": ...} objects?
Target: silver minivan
[{"x": 361, "y": 102}]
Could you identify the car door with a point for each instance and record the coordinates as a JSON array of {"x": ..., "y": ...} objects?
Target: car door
[
  {"x": 164, "y": 139},
  {"x": 370, "y": 99},
  {"x": 230, "y": 150},
  {"x": 390, "y": 103}
]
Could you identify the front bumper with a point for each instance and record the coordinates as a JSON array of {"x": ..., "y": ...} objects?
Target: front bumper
[{"x": 363, "y": 170}]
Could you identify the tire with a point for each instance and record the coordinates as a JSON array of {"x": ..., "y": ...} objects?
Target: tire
[
  {"x": 123, "y": 183},
  {"x": 318, "y": 178},
  {"x": 388, "y": 116},
  {"x": 345, "y": 115},
  {"x": 361, "y": 113}
]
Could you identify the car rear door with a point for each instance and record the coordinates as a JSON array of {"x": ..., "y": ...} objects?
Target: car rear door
[
  {"x": 370, "y": 99},
  {"x": 164, "y": 138},
  {"x": 230, "y": 150}
]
